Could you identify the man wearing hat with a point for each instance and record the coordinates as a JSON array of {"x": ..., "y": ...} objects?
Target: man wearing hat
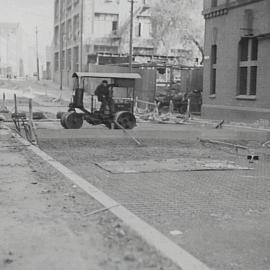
[
  {"x": 102, "y": 91},
  {"x": 103, "y": 94}
]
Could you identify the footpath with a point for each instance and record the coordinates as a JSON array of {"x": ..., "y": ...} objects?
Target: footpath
[{"x": 49, "y": 223}]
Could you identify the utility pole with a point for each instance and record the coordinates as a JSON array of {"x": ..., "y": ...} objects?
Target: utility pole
[
  {"x": 131, "y": 35},
  {"x": 7, "y": 54},
  {"x": 38, "y": 78},
  {"x": 81, "y": 38},
  {"x": 60, "y": 47}
]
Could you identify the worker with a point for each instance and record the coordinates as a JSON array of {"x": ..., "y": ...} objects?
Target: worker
[
  {"x": 102, "y": 91},
  {"x": 104, "y": 95}
]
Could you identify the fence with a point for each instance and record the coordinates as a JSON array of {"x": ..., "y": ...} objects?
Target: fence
[
  {"x": 145, "y": 110},
  {"x": 23, "y": 121}
]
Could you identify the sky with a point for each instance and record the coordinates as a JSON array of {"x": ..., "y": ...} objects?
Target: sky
[{"x": 30, "y": 13}]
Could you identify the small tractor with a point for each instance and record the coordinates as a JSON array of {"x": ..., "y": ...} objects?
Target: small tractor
[{"x": 119, "y": 115}]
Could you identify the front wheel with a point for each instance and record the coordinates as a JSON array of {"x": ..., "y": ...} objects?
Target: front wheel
[{"x": 126, "y": 119}]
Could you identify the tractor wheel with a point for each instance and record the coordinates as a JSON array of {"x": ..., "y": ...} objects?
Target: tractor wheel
[
  {"x": 126, "y": 119},
  {"x": 62, "y": 120},
  {"x": 72, "y": 120},
  {"x": 59, "y": 115}
]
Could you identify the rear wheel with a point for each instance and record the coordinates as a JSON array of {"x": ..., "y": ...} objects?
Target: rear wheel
[
  {"x": 126, "y": 119},
  {"x": 59, "y": 115},
  {"x": 72, "y": 120}
]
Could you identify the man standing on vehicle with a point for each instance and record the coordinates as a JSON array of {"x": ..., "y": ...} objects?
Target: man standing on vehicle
[
  {"x": 102, "y": 91},
  {"x": 104, "y": 96}
]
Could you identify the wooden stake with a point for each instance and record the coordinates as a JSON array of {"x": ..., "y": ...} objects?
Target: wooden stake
[
  {"x": 15, "y": 105},
  {"x": 31, "y": 125}
]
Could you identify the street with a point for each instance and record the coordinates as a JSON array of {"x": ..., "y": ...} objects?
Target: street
[
  {"x": 220, "y": 215},
  {"x": 135, "y": 135}
]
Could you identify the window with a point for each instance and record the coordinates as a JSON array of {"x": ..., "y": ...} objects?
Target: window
[
  {"x": 63, "y": 60},
  {"x": 69, "y": 30},
  {"x": 68, "y": 11},
  {"x": 63, "y": 33},
  {"x": 56, "y": 10},
  {"x": 76, "y": 27},
  {"x": 56, "y": 61},
  {"x": 213, "y": 73},
  {"x": 105, "y": 24},
  {"x": 254, "y": 49},
  {"x": 244, "y": 49},
  {"x": 69, "y": 54},
  {"x": 105, "y": 49},
  {"x": 214, "y": 3},
  {"x": 253, "y": 80},
  {"x": 56, "y": 35},
  {"x": 248, "y": 19},
  {"x": 62, "y": 9},
  {"x": 247, "y": 76},
  {"x": 76, "y": 59},
  {"x": 243, "y": 80},
  {"x": 143, "y": 50},
  {"x": 76, "y": 3},
  {"x": 139, "y": 30},
  {"x": 114, "y": 26}
]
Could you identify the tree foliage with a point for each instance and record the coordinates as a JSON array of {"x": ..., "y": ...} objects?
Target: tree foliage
[{"x": 178, "y": 23}]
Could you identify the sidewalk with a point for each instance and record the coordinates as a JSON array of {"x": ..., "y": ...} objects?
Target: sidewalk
[{"x": 46, "y": 221}]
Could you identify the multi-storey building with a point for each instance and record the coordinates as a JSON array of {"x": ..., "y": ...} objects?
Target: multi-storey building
[
  {"x": 11, "y": 62},
  {"x": 97, "y": 31},
  {"x": 237, "y": 62}
]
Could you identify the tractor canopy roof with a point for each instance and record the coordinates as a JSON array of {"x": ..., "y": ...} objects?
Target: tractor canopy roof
[{"x": 129, "y": 76}]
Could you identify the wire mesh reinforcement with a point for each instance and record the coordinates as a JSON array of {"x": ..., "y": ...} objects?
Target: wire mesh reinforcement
[{"x": 257, "y": 160}]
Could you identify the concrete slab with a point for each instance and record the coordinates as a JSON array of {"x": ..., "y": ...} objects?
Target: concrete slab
[{"x": 167, "y": 165}]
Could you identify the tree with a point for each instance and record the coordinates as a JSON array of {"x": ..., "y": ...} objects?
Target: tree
[{"x": 178, "y": 23}]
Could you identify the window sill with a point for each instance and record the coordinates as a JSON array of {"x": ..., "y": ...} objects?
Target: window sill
[
  {"x": 212, "y": 96},
  {"x": 246, "y": 97}
]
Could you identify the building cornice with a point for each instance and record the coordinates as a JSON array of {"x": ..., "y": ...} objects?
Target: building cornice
[{"x": 224, "y": 9}]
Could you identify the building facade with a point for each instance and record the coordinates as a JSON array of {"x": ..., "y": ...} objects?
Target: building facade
[
  {"x": 11, "y": 62},
  {"x": 97, "y": 32},
  {"x": 237, "y": 60}
]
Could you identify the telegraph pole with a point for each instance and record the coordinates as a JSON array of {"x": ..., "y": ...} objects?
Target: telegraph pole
[
  {"x": 60, "y": 49},
  {"x": 131, "y": 35},
  {"x": 81, "y": 38},
  {"x": 37, "y": 54},
  {"x": 7, "y": 53}
]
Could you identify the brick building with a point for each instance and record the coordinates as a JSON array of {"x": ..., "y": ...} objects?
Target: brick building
[{"x": 237, "y": 62}]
